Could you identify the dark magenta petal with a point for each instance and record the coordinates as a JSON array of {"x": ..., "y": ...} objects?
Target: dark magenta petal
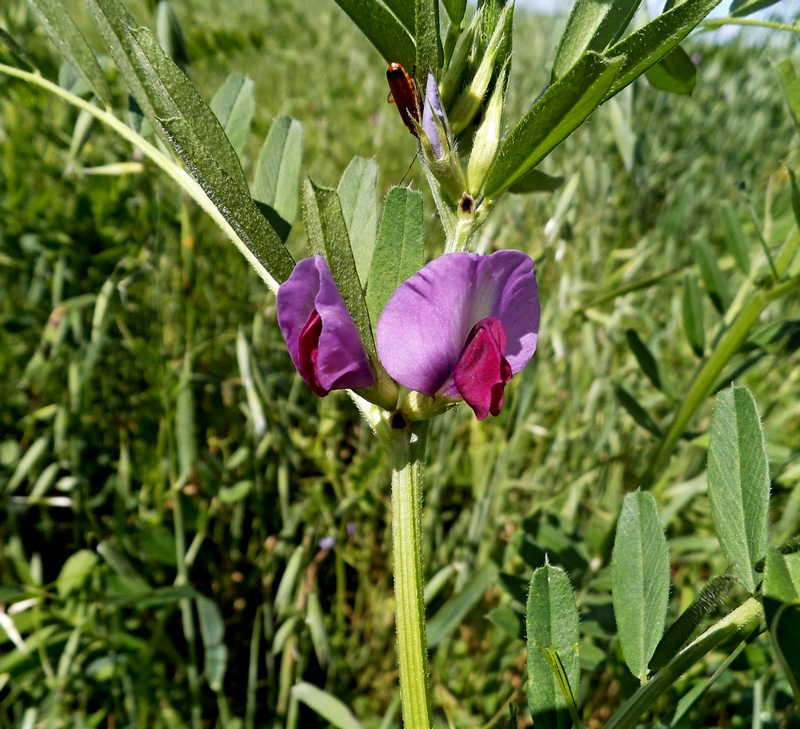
[
  {"x": 424, "y": 328},
  {"x": 308, "y": 351},
  {"x": 320, "y": 334},
  {"x": 482, "y": 372},
  {"x": 433, "y": 106}
]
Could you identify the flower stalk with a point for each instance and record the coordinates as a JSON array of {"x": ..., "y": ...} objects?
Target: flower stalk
[{"x": 407, "y": 452}]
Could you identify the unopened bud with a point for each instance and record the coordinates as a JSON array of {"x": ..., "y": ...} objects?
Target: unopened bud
[
  {"x": 487, "y": 139},
  {"x": 468, "y": 104}
]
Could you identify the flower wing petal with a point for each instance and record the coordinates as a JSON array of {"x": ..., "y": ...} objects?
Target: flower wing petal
[{"x": 424, "y": 326}]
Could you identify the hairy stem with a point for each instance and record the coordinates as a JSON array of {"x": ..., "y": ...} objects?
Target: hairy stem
[{"x": 407, "y": 451}]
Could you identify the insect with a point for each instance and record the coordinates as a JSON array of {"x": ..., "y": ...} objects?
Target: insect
[{"x": 404, "y": 94}]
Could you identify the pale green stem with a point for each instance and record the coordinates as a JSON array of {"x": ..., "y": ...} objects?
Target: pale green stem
[
  {"x": 179, "y": 175},
  {"x": 704, "y": 382},
  {"x": 719, "y": 22},
  {"x": 746, "y": 616},
  {"x": 407, "y": 451}
]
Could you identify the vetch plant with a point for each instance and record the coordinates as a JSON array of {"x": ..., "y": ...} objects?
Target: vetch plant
[{"x": 410, "y": 340}]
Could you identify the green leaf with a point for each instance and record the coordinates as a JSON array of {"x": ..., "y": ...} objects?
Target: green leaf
[
  {"x": 781, "y": 576},
  {"x": 27, "y": 462},
  {"x": 644, "y": 357},
  {"x": 455, "y": 10},
  {"x": 456, "y": 608},
  {"x": 710, "y": 597},
  {"x": 286, "y": 587},
  {"x": 170, "y": 35},
  {"x": 674, "y": 73},
  {"x": 132, "y": 582},
  {"x": 326, "y": 705},
  {"x": 383, "y": 30},
  {"x": 327, "y": 236},
  {"x": 791, "y": 87},
  {"x": 592, "y": 25},
  {"x": 75, "y": 572},
  {"x": 795, "y": 198},
  {"x": 426, "y": 35},
  {"x": 509, "y": 621},
  {"x": 316, "y": 624},
  {"x": 734, "y": 236},
  {"x": 404, "y": 10},
  {"x": 212, "y": 631},
  {"x": 640, "y": 416},
  {"x": 185, "y": 431},
  {"x": 740, "y": 8},
  {"x": 738, "y": 482},
  {"x": 552, "y": 624},
  {"x": 114, "y": 23},
  {"x": 234, "y": 105},
  {"x": 238, "y": 492},
  {"x": 693, "y": 317},
  {"x": 716, "y": 286},
  {"x": 71, "y": 44},
  {"x": 560, "y": 110},
  {"x": 785, "y": 633},
  {"x": 400, "y": 251},
  {"x": 536, "y": 181},
  {"x": 640, "y": 580},
  {"x": 651, "y": 43},
  {"x": 276, "y": 187},
  {"x": 18, "y": 53},
  {"x": 359, "y": 197}
]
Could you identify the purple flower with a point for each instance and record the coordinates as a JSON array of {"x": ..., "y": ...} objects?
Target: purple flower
[
  {"x": 321, "y": 336},
  {"x": 462, "y": 326},
  {"x": 431, "y": 109}
]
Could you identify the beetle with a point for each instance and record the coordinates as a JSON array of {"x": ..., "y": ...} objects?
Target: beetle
[{"x": 404, "y": 94}]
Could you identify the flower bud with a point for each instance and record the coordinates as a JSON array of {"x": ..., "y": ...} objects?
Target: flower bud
[
  {"x": 469, "y": 102},
  {"x": 487, "y": 139}
]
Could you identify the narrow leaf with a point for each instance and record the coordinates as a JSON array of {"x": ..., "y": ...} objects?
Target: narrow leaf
[
  {"x": 170, "y": 35},
  {"x": 456, "y": 608},
  {"x": 509, "y": 621},
  {"x": 16, "y": 50},
  {"x": 734, "y": 236},
  {"x": 58, "y": 24},
  {"x": 740, "y": 8},
  {"x": 327, "y": 236},
  {"x": 276, "y": 187},
  {"x": 316, "y": 624},
  {"x": 552, "y": 624},
  {"x": 674, "y": 73},
  {"x": 693, "y": 317},
  {"x": 326, "y": 705},
  {"x": 781, "y": 576},
  {"x": 785, "y": 632},
  {"x": 592, "y": 25},
  {"x": 404, "y": 10},
  {"x": 455, "y": 10},
  {"x": 215, "y": 652},
  {"x": 651, "y": 43},
  {"x": 426, "y": 35},
  {"x": 710, "y": 597},
  {"x": 640, "y": 416},
  {"x": 382, "y": 29},
  {"x": 791, "y": 87},
  {"x": 716, "y": 286},
  {"x": 560, "y": 110},
  {"x": 640, "y": 580},
  {"x": 400, "y": 250},
  {"x": 75, "y": 572},
  {"x": 644, "y": 357},
  {"x": 234, "y": 105},
  {"x": 185, "y": 431},
  {"x": 359, "y": 197},
  {"x": 205, "y": 150},
  {"x": 738, "y": 482},
  {"x": 536, "y": 181}
]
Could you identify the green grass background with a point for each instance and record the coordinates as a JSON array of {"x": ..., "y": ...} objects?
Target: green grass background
[{"x": 106, "y": 282}]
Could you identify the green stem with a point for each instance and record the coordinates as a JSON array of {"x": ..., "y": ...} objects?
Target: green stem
[
  {"x": 746, "y": 615},
  {"x": 719, "y": 22},
  {"x": 704, "y": 382},
  {"x": 178, "y": 174},
  {"x": 407, "y": 451}
]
